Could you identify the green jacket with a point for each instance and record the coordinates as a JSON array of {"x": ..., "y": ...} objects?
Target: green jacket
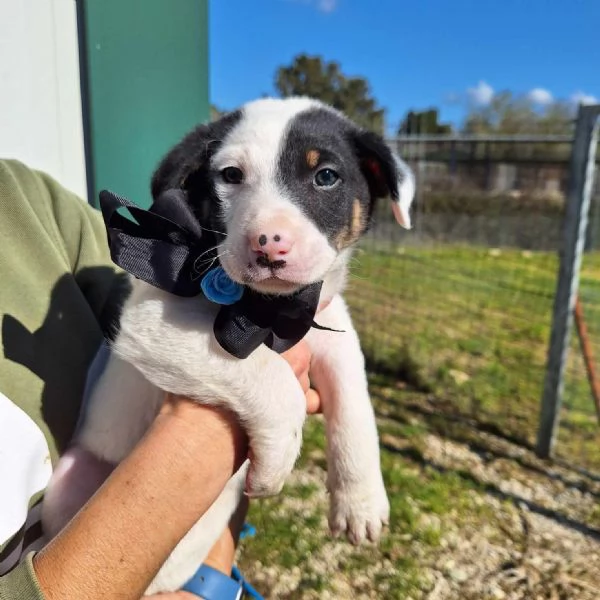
[{"x": 59, "y": 294}]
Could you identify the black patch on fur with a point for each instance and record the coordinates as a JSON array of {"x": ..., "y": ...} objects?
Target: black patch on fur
[
  {"x": 345, "y": 148},
  {"x": 187, "y": 167},
  {"x": 342, "y": 146}
]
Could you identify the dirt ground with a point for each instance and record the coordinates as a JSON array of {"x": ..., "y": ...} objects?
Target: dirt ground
[
  {"x": 537, "y": 547},
  {"x": 529, "y": 530}
]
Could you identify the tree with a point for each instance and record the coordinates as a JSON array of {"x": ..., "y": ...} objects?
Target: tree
[
  {"x": 424, "y": 122},
  {"x": 509, "y": 114},
  {"x": 311, "y": 76}
]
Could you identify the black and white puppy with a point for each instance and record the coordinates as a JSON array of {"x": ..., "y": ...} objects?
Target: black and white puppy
[{"x": 289, "y": 186}]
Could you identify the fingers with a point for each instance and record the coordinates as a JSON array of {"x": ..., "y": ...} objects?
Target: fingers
[
  {"x": 304, "y": 382},
  {"x": 298, "y": 357},
  {"x": 313, "y": 402}
]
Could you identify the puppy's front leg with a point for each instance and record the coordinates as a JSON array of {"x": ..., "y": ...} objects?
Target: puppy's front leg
[
  {"x": 359, "y": 504},
  {"x": 273, "y": 413}
]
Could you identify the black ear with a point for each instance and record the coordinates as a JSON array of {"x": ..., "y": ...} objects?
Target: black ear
[
  {"x": 187, "y": 164},
  {"x": 387, "y": 175}
]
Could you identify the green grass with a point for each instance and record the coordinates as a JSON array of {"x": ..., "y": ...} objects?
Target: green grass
[{"x": 471, "y": 326}]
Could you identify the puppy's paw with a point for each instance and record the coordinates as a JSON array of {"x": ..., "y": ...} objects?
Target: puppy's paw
[
  {"x": 271, "y": 463},
  {"x": 360, "y": 511}
]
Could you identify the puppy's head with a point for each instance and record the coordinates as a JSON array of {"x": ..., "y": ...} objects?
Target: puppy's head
[{"x": 286, "y": 186}]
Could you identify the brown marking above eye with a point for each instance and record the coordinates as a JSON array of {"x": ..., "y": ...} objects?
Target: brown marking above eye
[
  {"x": 351, "y": 232},
  {"x": 312, "y": 158}
]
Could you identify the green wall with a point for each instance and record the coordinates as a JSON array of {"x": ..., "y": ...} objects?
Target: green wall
[{"x": 144, "y": 69}]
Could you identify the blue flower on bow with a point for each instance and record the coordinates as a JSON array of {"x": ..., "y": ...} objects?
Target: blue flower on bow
[{"x": 219, "y": 288}]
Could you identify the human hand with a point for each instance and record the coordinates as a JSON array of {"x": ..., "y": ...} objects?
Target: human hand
[{"x": 298, "y": 357}]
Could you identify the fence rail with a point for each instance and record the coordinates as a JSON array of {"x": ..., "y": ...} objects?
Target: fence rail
[
  {"x": 496, "y": 139},
  {"x": 494, "y": 163}
]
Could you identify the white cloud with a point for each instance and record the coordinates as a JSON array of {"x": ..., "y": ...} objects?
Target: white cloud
[
  {"x": 453, "y": 98},
  {"x": 481, "y": 94},
  {"x": 327, "y": 6},
  {"x": 540, "y": 96},
  {"x": 582, "y": 98}
]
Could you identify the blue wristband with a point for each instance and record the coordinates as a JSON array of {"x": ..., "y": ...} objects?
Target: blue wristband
[{"x": 213, "y": 585}]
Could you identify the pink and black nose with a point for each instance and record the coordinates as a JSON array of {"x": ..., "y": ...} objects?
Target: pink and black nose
[{"x": 271, "y": 247}]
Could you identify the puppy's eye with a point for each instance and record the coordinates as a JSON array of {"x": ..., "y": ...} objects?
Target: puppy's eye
[
  {"x": 326, "y": 178},
  {"x": 232, "y": 175}
]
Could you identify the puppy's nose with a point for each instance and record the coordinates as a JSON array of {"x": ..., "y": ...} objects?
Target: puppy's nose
[{"x": 273, "y": 245}]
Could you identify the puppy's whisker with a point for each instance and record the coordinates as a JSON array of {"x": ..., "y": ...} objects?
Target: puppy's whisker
[
  {"x": 212, "y": 230},
  {"x": 209, "y": 262},
  {"x": 220, "y": 255},
  {"x": 207, "y": 251},
  {"x": 206, "y": 263},
  {"x": 212, "y": 262}
]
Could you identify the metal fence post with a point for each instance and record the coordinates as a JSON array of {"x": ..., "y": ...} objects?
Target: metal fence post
[{"x": 581, "y": 172}]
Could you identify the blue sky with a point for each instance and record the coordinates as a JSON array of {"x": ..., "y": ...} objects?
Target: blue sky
[{"x": 416, "y": 53}]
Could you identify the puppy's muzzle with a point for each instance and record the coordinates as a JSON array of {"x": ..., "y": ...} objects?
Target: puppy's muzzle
[
  {"x": 263, "y": 261},
  {"x": 272, "y": 244}
]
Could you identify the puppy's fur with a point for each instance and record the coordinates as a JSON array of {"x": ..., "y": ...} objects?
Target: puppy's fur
[{"x": 302, "y": 190}]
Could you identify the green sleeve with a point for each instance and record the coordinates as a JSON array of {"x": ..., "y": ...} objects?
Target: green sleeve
[
  {"x": 60, "y": 296},
  {"x": 21, "y": 583}
]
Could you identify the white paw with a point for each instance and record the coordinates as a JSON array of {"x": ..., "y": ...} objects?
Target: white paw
[
  {"x": 271, "y": 461},
  {"x": 360, "y": 511}
]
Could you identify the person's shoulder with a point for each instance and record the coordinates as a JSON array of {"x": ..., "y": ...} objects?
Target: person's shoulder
[
  {"x": 15, "y": 175},
  {"x": 40, "y": 195},
  {"x": 29, "y": 181},
  {"x": 15, "y": 171}
]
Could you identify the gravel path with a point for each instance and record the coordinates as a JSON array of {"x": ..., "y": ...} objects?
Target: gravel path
[
  {"x": 538, "y": 546},
  {"x": 530, "y": 533}
]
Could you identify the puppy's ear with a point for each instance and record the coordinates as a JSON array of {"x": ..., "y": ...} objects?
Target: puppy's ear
[
  {"x": 387, "y": 175},
  {"x": 187, "y": 164}
]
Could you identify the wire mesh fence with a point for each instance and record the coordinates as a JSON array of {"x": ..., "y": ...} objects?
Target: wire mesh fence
[{"x": 460, "y": 308}]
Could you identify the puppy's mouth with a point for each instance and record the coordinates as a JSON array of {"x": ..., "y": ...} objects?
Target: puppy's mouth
[
  {"x": 274, "y": 285},
  {"x": 271, "y": 279},
  {"x": 280, "y": 275},
  {"x": 268, "y": 280}
]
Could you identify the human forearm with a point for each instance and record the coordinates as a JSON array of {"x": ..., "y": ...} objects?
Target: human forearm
[{"x": 119, "y": 540}]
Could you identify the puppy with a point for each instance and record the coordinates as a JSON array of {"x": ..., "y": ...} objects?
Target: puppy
[{"x": 287, "y": 187}]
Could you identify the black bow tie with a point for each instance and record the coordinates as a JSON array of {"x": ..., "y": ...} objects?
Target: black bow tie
[{"x": 166, "y": 247}]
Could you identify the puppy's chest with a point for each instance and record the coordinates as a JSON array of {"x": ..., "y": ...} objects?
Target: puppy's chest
[{"x": 152, "y": 316}]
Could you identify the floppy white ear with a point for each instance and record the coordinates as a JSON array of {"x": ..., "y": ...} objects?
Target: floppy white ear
[{"x": 406, "y": 193}]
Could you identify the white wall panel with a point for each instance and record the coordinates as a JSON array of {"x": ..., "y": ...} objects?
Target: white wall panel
[{"x": 40, "y": 102}]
